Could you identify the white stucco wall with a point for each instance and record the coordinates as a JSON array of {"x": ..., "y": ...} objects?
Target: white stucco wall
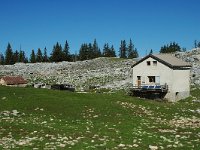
[
  {"x": 161, "y": 70},
  {"x": 181, "y": 84},
  {"x": 177, "y": 80}
]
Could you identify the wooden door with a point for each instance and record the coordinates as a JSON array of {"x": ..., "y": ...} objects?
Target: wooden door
[{"x": 138, "y": 81}]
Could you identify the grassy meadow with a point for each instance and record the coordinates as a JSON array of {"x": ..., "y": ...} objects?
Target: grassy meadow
[{"x": 47, "y": 119}]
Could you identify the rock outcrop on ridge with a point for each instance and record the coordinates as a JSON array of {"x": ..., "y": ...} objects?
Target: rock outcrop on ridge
[{"x": 193, "y": 57}]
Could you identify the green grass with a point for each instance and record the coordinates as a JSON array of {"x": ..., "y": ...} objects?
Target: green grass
[
  {"x": 50, "y": 119},
  {"x": 115, "y": 59}
]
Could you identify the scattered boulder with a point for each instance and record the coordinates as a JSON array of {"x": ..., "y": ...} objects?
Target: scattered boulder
[
  {"x": 151, "y": 147},
  {"x": 3, "y": 98},
  {"x": 14, "y": 112}
]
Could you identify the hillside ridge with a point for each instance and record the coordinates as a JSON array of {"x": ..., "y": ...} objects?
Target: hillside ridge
[
  {"x": 104, "y": 72},
  {"x": 115, "y": 72}
]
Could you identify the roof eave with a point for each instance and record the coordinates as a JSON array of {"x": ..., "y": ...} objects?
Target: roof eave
[
  {"x": 141, "y": 60},
  {"x": 182, "y": 67}
]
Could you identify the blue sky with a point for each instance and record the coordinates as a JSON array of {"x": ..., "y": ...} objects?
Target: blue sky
[{"x": 150, "y": 24}]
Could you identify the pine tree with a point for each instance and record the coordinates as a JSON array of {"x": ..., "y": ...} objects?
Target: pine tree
[
  {"x": 66, "y": 53},
  {"x": 172, "y": 47},
  {"x": 39, "y": 57},
  {"x": 123, "y": 49},
  {"x": 163, "y": 49},
  {"x": 96, "y": 49},
  {"x": 74, "y": 57},
  {"x": 151, "y": 51},
  {"x": 90, "y": 51},
  {"x": 195, "y": 44},
  {"x": 198, "y": 45},
  {"x": 61, "y": 53},
  {"x": 16, "y": 56},
  {"x": 45, "y": 56},
  {"x": 1, "y": 59},
  {"x": 132, "y": 51},
  {"x": 22, "y": 57},
  {"x": 9, "y": 55},
  {"x": 32, "y": 57},
  {"x": 106, "y": 50},
  {"x": 83, "y": 52},
  {"x": 57, "y": 54},
  {"x": 184, "y": 49},
  {"x": 112, "y": 51},
  {"x": 81, "y": 55},
  {"x": 53, "y": 56},
  {"x": 136, "y": 55}
]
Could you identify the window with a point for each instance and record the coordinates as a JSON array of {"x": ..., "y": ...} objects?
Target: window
[
  {"x": 138, "y": 77},
  {"x": 152, "y": 79},
  {"x": 155, "y": 63},
  {"x": 148, "y": 63},
  {"x": 177, "y": 95},
  {"x": 157, "y": 80}
]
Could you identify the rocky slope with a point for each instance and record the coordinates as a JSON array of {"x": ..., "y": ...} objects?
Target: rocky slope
[
  {"x": 113, "y": 73},
  {"x": 103, "y": 72}
]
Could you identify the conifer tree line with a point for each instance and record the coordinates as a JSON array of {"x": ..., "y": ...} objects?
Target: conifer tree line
[
  {"x": 127, "y": 51},
  {"x": 12, "y": 57},
  {"x": 87, "y": 51},
  {"x": 172, "y": 47}
]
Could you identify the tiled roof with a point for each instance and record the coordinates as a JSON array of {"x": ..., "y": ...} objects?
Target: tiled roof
[
  {"x": 172, "y": 60},
  {"x": 14, "y": 80},
  {"x": 166, "y": 59}
]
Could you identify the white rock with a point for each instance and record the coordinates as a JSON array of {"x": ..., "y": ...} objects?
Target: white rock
[
  {"x": 151, "y": 147},
  {"x": 15, "y": 112},
  {"x": 121, "y": 145}
]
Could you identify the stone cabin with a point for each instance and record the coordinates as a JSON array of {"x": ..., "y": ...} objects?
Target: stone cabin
[
  {"x": 13, "y": 81},
  {"x": 161, "y": 76}
]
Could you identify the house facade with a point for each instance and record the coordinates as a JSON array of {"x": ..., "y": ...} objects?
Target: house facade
[
  {"x": 13, "y": 81},
  {"x": 163, "y": 75}
]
